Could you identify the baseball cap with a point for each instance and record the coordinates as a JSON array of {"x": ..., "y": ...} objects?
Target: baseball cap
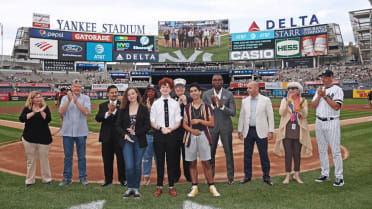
[
  {"x": 179, "y": 81},
  {"x": 327, "y": 73}
]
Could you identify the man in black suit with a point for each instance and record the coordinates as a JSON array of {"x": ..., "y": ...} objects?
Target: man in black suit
[{"x": 109, "y": 137}]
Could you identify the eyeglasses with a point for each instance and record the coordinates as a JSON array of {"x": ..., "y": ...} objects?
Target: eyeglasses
[{"x": 292, "y": 88}]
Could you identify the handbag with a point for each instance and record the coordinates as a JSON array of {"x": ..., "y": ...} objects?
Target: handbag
[{"x": 292, "y": 130}]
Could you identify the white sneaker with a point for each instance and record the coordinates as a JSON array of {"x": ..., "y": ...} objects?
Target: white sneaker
[
  {"x": 213, "y": 191},
  {"x": 194, "y": 191},
  {"x": 220, "y": 143}
]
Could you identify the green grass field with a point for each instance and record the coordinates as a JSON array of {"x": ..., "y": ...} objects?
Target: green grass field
[
  {"x": 355, "y": 194},
  {"x": 9, "y": 135},
  {"x": 219, "y": 53}
]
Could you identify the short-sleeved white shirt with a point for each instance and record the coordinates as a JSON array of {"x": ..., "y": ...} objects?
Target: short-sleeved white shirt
[{"x": 157, "y": 112}]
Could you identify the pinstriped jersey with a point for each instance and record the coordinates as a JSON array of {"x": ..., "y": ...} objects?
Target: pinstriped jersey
[{"x": 323, "y": 109}]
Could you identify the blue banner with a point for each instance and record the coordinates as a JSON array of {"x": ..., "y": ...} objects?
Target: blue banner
[
  {"x": 135, "y": 57},
  {"x": 242, "y": 72},
  {"x": 267, "y": 72},
  {"x": 140, "y": 73},
  {"x": 297, "y": 32},
  {"x": 144, "y": 44},
  {"x": 119, "y": 75},
  {"x": 99, "y": 51},
  {"x": 260, "y": 35},
  {"x": 50, "y": 34}
]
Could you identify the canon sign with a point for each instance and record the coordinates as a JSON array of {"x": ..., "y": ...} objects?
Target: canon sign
[{"x": 252, "y": 54}]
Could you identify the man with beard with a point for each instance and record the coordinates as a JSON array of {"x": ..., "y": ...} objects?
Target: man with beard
[{"x": 223, "y": 105}]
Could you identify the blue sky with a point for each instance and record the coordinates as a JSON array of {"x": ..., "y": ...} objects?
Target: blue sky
[{"x": 241, "y": 13}]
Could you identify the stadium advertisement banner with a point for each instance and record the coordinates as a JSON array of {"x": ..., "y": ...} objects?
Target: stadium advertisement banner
[
  {"x": 267, "y": 72},
  {"x": 135, "y": 57},
  {"x": 56, "y": 65},
  {"x": 103, "y": 87},
  {"x": 286, "y": 48},
  {"x": 43, "y": 48},
  {"x": 4, "y": 96},
  {"x": 245, "y": 85},
  {"x": 253, "y": 44},
  {"x": 193, "y": 41},
  {"x": 250, "y": 36},
  {"x": 25, "y": 94},
  {"x": 99, "y": 51},
  {"x": 92, "y": 37},
  {"x": 140, "y": 73},
  {"x": 298, "y": 32},
  {"x": 302, "y": 62},
  {"x": 134, "y": 44},
  {"x": 119, "y": 75},
  {"x": 32, "y": 85},
  {"x": 242, "y": 72},
  {"x": 314, "y": 45},
  {"x": 71, "y": 50},
  {"x": 320, "y": 82},
  {"x": 50, "y": 34},
  {"x": 40, "y": 20},
  {"x": 252, "y": 54},
  {"x": 5, "y": 84},
  {"x": 273, "y": 85},
  {"x": 358, "y": 94}
]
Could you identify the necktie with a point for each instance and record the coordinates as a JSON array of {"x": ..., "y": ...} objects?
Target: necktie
[{"x": 166, "y": 113}]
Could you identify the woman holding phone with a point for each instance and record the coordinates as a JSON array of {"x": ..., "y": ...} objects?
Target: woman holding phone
[{"x": 132, "y": 124}]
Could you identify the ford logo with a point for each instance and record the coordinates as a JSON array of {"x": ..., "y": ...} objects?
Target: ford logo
[{"x": 72, "y": 48}]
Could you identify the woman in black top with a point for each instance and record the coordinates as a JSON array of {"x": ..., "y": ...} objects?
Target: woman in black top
[
  {"x": 36, "y": 137},
  {"x": 132, "y": 124}
]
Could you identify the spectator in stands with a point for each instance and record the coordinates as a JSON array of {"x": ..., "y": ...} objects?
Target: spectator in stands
[
  {"x": 36, "y": 137},
  {"x": 75, "y": 107},
  {"x": 182, "y": 99},
  {"x": 149, "y": 98},
  {"x": 198, "y": 118},
  {"x": 109, "y": 137},
  {"x": 132, "y": 124},
  {"x": 293, "y": 133},
  {"x": 165, "y": 118},
  {"x": 223, "y": 105}
]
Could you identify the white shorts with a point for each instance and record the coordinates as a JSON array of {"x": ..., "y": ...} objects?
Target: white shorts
[{"x": 198, "y": 144}]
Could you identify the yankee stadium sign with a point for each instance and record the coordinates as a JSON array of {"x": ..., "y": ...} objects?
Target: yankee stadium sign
[{"x": 91, "y": 27}]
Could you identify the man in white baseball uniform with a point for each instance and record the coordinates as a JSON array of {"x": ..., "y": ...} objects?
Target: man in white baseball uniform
[{"x": 328, "y": 101}]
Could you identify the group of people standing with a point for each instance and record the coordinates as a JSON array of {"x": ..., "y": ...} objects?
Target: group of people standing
[
  {"x": 192, "y": 38},
  {"x": 168, "y": 128}
]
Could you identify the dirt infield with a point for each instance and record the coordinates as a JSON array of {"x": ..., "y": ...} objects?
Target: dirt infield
[{"x": 13, "y": 159}]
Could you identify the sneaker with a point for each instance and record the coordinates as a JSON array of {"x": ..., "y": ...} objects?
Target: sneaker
[
  {"x": 194, "y": 191},
  {"x": 65, "y": 182},
  {"x": 137, "y": 195},
  {"x": 213, "y": 191},
  {"x": 322, "y": 179},
  {"x": 128, "y": 193},
  {"x": 339, "y": 182},
  {"x": 84, "y": 181}
]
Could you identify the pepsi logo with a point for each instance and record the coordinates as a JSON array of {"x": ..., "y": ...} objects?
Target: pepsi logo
[{"x": 42, "y": 33}]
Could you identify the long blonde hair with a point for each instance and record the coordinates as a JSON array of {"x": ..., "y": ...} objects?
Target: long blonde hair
[{"x": 32, "y": 95}]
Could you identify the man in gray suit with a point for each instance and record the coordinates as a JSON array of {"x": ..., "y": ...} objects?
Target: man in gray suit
[{"x": 223, "y": 106}]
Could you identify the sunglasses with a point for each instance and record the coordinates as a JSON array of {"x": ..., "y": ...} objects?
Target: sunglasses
[{"x": 292, "y": 88}]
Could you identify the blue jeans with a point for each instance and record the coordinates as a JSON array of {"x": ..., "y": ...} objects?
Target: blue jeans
[
  {"x": 68, "y": 147},
  {"x": 147, "y": 157},
  {"x": 133, "y": 162}
]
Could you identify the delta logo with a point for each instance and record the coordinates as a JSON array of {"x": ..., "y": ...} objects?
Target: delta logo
[
  {"x": 254, "y": 27},
  {"x": 44, "y": 46}
]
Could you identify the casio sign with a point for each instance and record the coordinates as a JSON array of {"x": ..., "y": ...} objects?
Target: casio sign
[
  {"x": 252, "y": 54},
  {"x": 72, "y": 48}
]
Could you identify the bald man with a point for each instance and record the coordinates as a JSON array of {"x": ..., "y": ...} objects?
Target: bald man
[{"x": 256, "y": 125}]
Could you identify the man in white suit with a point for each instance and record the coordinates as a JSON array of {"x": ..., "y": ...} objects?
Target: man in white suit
[{"x": 256, "y": 124}]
